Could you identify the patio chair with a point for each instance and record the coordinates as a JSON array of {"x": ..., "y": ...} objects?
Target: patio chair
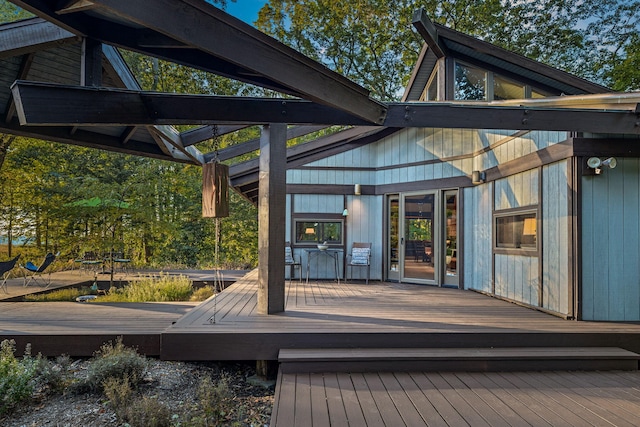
[
  {"x": 38, "y": 271},
  {"x": 5, "y": 268},
  {"x": 291, "y": 261},
  {"x": 360, "y": 257}
]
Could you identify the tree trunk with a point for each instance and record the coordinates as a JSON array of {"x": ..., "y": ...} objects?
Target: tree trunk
[{"x": 5, "y": 143}]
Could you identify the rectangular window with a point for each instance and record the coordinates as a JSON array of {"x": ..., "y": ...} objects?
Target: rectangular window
[
  {"x": 319, "y": 231},
  {"x": 516, "y": 230},
  {"x": 470, "y": 83},
  {"x": 506, "y": 89}
]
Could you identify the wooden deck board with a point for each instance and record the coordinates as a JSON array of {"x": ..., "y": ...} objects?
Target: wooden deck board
[{"x": 412, "y": 399}]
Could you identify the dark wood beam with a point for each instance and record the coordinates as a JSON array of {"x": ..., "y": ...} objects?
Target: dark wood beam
[
  {"x": 254, "y": 144},
  {"x": 91, "y": 72},
  {"x": 61, "y": 105},
  {"x": 428, "y": 31},
  {"x": 84, "y": 138},
  {"x": 203, "y": 133},
  {"x": 216, "y": 34},
  {"x": 75, "y": 105},
  {"x": 128, "y": 133},
  {"x": 23, "y": 71},
  {"x": 272, "y": 219},
  {"x": 443, "y": 115},
  {"x": 74, "y": 6}
]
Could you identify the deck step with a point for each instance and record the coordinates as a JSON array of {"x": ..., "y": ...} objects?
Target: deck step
[{"x": 457, "y": 359}]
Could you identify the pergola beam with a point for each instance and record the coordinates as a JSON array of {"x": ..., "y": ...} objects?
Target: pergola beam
[
  {"x": 60, "y": 105},
  {"x": 208, "y": 30},
  {"x": 48, "y": 104}
]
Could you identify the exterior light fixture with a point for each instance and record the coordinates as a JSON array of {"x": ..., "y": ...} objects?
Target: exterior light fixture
[
  {"x": 478, "y": 177},
  {"x": 345, "y": 212},
  {"x": 357, "y": 189},
  {"x": 598, "y": 164}
]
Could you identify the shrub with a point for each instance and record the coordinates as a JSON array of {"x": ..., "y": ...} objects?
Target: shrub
[
  {"x": 202, "y": 293},
  {"x": 69, "y": 294},
  {"x": 134, "y": 410},
  {"x": 216, "y": 401},
  {"x": 160, "y": 289},
  {"x": 16, "y": 376},
  {"x": 114, "y": 361}
]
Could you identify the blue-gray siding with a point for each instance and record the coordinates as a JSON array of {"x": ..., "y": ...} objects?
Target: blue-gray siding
[{"x": 611, "y": 243}]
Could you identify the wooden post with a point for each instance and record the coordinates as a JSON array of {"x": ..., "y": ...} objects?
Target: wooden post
[
  {"x": 91, "y": 73},
  {"x": 271, "y": 218}
]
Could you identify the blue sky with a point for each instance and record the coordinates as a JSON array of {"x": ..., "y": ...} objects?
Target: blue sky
[{"x": 246, "y": 10}]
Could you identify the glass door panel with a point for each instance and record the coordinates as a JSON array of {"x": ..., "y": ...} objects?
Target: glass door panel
[
  {"x": 418, "y": 255},
  {"x": 393, "y": 239},
  {"x": 450, "y": 267}
]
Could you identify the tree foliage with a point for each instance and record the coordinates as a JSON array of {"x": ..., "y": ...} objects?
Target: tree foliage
[{"x": 371, "y": 41}]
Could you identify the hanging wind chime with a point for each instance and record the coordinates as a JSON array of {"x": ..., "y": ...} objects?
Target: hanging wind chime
[{"x": 215, "y": 204}]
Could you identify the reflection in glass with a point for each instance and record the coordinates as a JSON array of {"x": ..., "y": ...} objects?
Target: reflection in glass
[
  {"x": 470, "y": 83},
  {"x": 418, "y": 235},
  {"x": 506, "y": 89}
]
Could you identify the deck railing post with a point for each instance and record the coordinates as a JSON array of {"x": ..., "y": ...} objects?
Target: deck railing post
[{"x": 271, "y": 218}]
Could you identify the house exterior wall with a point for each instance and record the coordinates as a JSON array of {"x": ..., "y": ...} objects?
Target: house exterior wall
[
  {"x": 425, "y": 154},
  {"x": 610, "y": 244}
]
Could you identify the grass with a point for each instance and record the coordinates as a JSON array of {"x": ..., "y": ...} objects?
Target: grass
[{"x": 164, "y": 288}]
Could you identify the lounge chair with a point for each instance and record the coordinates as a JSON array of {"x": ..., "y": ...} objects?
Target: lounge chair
[
  {"x": 5, "y": 268},
  {"x": 37, "y": 271}
]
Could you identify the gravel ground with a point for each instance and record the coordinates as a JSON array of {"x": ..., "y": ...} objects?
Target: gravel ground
[{"x": 174, "y": 384}]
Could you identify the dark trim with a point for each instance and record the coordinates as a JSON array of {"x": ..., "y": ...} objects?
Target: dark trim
[
  {"x": 459, "y": 241},
  {"x": 23, "y": 71},
  {"x": 433, "y": 184},
  {"x": 318, "y": 215},
  {"x": 577, "y": 239},
  {"x": 428, "y": 31},
  {"x": 574, "y": 234},
  {"x": 482, "y": 116},
  {"x": 518, "y": 252},
  {"x": 493, "y": 237},
  {"x": 522, "y": 304},
  {"x": 620, "y": 147}
]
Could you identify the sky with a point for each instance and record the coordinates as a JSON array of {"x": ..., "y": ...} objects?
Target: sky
[{"x": 246, "y": 10}]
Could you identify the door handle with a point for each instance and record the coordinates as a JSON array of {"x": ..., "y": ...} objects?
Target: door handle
[{"x": 402, "y": 240}]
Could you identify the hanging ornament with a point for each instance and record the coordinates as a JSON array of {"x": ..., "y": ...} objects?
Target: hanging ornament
[{"x": 215, "y": 185}]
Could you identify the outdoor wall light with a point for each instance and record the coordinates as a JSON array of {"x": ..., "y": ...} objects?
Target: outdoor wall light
[
  {"x": 597, "y": 164},
  {"x": 345, "y": 212},
  {"x": 478, "y": 177},
  {"x": 357, "y": 189}
]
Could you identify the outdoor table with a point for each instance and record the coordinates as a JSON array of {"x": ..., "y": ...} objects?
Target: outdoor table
[{"x": 332, "y": 253}]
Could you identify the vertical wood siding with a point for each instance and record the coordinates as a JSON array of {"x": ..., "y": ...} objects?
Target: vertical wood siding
[
  {"x": 555, "y": 236},
  {"x": 477, "y": 237},
  {"x": 517, "y": 191},
  {"x": 517, "y": 278},
  {"x": 365, "y": 224},
  {"x": 611, "y": 243}
]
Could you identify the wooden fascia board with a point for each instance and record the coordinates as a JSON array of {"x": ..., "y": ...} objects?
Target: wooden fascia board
[
  {"x": 89, "y": 139},
  {"x": 109, "y": 106},
  {"x": 444, "y": 115},
  {"x": 202, "y": 26}
]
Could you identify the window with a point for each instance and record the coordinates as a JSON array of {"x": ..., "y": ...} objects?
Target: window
[
  {"x": 516, "y": 230},
  {"x": 319, "y": 231},
  {"x": 470, "y": 83},
  {"x": 506, "y": 89}
]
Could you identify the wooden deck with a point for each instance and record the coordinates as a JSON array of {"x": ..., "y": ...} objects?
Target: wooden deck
[
  {"x": 378, "y": 315},
  {"x": 458, "y": 399}
]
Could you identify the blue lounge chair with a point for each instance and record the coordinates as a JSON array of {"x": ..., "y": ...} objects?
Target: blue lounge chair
[
  {"x": 5, "y": 268},
  {"x": 37, "y": 271}
]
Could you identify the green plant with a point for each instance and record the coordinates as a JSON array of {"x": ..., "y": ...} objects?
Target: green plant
[
  {"x": 16, "y": 376},
  {"x": 114, "y": 360},
  {"x": 134, "y": 410},
  {"x": 162, "y": 288},
  {"x": 203, "y": 293},
  {"x": 216, "y": 400},
  {"x": 69, "y": 294}
]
